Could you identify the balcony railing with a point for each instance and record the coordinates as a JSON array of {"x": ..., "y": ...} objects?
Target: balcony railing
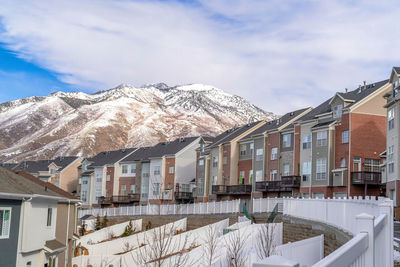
[
  {"x": 131, "y": 198},
  {"x": 287, "y": 183},
  {"x": 361, "y": 178},
  {"x": 231, "y": 189},
  {"x": 183, "y": 195}
]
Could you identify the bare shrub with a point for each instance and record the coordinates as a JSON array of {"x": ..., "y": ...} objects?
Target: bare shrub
[
  {"x": 235, "y": 243},
  {"x": 210, "y": 245},
  {"x": 265, "y": 240}
]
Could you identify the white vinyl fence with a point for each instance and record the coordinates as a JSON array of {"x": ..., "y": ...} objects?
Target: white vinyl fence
[
  {"x": 370, "y": 221},
  {"x": 221, "y": 207},
  {"x": 109, "y": 232}
]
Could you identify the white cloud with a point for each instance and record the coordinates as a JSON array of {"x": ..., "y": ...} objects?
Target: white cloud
[{"x": 278, "y": 56}]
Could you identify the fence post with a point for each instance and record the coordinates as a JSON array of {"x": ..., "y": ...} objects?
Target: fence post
[
  {"x": 387, "y": 208},
  {"x": 365, "y": 224}
]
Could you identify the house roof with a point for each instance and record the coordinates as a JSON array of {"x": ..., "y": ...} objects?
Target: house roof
[
  {"x": 170, "y": 148},
  {"x": 234, "y": 133},
  {"x": 13, "y": 183},
  {"x": 355, "y": 96},
  {"x": 141, "y": 153},
  {"x": 322, "y": 124},
  {"x": 109, "y": 157},
  {"x": 40, "y": 165},
  {"x": 397, "y": 69},
  {"x": 54, "y": 245},
  {"x": 87, "y": 216},
  {"x": 272, "y": 125},
  {"x": 49, "y": 186}
]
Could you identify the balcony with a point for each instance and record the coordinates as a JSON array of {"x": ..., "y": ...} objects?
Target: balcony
[
  {"x": 287, "y": 183},
  {"x": 131, "y": 198},
  {"x": 363, "y": 178},
  {"x": 183, "y": 196},
  {"x": 240, "y": 189}
]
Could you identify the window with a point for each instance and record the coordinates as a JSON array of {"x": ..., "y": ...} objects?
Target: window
[
  {"x": 29, "y": 264},
  {"x": 307, "y": 142},
  {"x": 274, "y": 153},
  {"x": 241, "y": 177},
  {"x": 201, "y": 162},
  {"x": 98, "y": 192},
  {"x": 85, "y": 182},
  {"x": 157, "y": 170},
  {"x": 242, "y": 150},
  {"x": 133, "y": 169},
  {"x": 287, "y": 142},
  {"x": 156, "y": 189},
  {"x": 5, "y": 217},
  {"x": 251, "y": 148},
  {"x": 390, "y": 159},
  {"x": 273, "y": 175},
  {"x": 342, "y": 162},
  {"x": 108, "y": 177},
  {"x": 337, "y": 111},
  {"x": 171, "y": 169},
  {"x": 123, "y": 189},
  {"x": 49, "y": 215},
  {"x": 259, "y": 154},
  {"x": 215, "y": 180},
  {"x": 306, "y": 172},
  {"x": 322, "y": 138},
  {"x": 53, "y": 171},
  {"x": 345, "y": 137},
  {"x": 321, "y": 169},
  {"x": 225, "y": 160},
  {"x": 202, "y": 147},
  {"x": 390, "y": 118},
  {"x": 251, "y": 176},
  {"x": 259, "y": 176},
  {"x": 124, "y": 169},
  {"x": 371, "y": 165},
  {"x": 84, "y": 196},
  {"x": 133, "y": 189},
  {"x": 98, "y": 177},
  {"x": 215, "y": 162},
  {"x": 286, "y": 169}
]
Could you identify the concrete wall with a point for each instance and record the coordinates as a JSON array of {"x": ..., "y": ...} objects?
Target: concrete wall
[{"x": 9, "y": 246}]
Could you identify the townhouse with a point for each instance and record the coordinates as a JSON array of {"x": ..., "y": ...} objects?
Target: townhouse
[
  {"x": 37, "y": 222},
  {"x": 173, "y": 170},
  {"x": 220, "y": 174},
  {"x": 267, "y": 157},
  {"x": 98, "y": 179},
  {"x": 390, "y": 171},
  {"x": 61, "y": 171},
  {"x": 341, "y": 143}
]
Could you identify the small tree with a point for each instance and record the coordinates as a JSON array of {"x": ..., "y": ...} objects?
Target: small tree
[
  {"x": 210, "y": 245},
  {"x": 235, "y": 249},
  {"x": 128, "y": 230},
  {"x": 97, "y": 225},
  {"x": 265, "y": 240},
  {"x": 104, "y": 223}
]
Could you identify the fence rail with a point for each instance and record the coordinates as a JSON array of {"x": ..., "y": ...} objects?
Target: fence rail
[{"x": 231, "y": 206}]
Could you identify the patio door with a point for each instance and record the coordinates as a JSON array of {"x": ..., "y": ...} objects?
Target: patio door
[{"x": 356, "y": 164}]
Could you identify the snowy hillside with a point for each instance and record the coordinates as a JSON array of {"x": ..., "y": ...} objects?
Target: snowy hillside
[{"x": 85, "y": 124}]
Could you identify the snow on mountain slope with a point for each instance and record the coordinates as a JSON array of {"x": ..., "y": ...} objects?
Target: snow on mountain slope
[{"x": 84, "y": 124}]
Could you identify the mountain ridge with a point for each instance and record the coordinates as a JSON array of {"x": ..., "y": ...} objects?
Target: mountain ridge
[{"x": 81, "y": 124}]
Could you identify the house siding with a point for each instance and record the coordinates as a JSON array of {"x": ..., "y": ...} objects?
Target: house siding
[{"x": 9, "y": 246}]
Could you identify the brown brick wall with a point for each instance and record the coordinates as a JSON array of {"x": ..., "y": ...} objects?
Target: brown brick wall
[
  {"x": 246, "y": 166},
  {"x": 169, "y": 177},
  {"x": 296, "y": 152},
  {"x": 272, "y": 141}
]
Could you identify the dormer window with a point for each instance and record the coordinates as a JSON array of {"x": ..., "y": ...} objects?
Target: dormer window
[
  {"x": 53, "y": 171},
  {"x": 337, "y": 111}
]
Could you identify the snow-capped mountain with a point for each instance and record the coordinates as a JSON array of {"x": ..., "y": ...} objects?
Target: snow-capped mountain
[{"x": 85, "y": 124}]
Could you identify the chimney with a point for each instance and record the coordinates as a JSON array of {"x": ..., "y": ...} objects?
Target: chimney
[
  {"x": 359, "y": 88},
  {"x": 346, "y": 90},
  {"x": 365, "y": 84}
]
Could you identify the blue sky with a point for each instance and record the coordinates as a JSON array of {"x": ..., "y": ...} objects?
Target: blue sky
[{"x": 270, "y": 52}]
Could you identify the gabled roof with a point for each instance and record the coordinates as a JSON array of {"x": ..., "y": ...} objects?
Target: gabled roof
[
  {"x": 40, "y": 165},
  {"x": 355, "y": 96},
  {"x": 13, "y": 183},
  {"x": 397, "y": 70},
  {"x": 275, "y": 124},
  {"x": 141, "y": 153},
  {"x": 50, "y": 186},
  {"x": 171, "y": 148},
  {"x": 109, "y": 157},
  {"x": 234, "y": 133}
]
